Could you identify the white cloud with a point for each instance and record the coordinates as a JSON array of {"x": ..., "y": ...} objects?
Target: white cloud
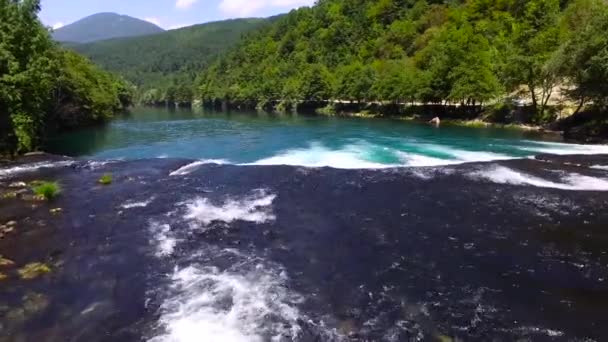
[
  {"x": 242, "y": 8},
  {"x": 153, "y": 20},
  {"x": 58, "y": 25},
  {"x": 183, "y": 4}
]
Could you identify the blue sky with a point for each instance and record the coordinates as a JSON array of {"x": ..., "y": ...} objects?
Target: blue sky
[{"x": 165, "y": 13}]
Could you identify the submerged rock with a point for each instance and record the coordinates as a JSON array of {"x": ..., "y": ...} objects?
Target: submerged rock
[
  {"x": 56, "y": 211},
  {"x": 5, "y": 262},
  {"x": 473, "y": 252},
  {"x": 34, "y": 303},
  {"x": 33, "y": 270}
]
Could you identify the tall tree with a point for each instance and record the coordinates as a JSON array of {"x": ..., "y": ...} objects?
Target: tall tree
[{"x": 583, "y": 58}]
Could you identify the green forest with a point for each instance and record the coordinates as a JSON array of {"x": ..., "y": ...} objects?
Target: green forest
[
  {"x": 163, "y": 66},
  {"x": 475, "y": 54},
  {"x": 45, "y": 88},
  {"x": 470, "y": 53}
]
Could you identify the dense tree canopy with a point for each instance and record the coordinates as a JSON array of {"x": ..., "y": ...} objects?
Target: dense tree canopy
[
  {"x": 468, "y": 52},
  {"x": 163, "y": 66},
  {"x": 42, "y": 87}
]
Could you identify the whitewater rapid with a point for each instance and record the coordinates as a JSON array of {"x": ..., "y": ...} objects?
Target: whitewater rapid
[
  {"x": 246, "y": 299},
  {"x": 361, "y": 154},
  {"x": 191, "y": 250}
]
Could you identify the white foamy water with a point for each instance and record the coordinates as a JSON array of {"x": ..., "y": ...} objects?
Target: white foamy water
[
  {"x": 349, "y": 157},
  {"x": 241, "y": 304},
  {"x": 412, "y": 159},
  {"x": 33, "y": 167},
  {"x": 96, "y": 164},
  {"x": 189, "y": 168},
  {"x": 573, "y": 181},
  {"x": 253, "y": 208},
  {"x": 163, "y": 238},
  {"x": 137, "y": 204},
  {"x": 364, "y": 155},
  {"x": 459, "y": 156},
  {"x": 600, "y": 167},
  {"x": 247, "y": 302},
  {"x": 562, "y": 148}
]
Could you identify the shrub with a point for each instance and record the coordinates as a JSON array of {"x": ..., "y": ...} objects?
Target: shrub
[
  {"x": 46, "y": 190},
  {"x": 106, "y": 179}
]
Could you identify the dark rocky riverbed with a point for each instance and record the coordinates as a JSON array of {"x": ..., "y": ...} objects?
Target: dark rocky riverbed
[{"x": 179, "y": 251}]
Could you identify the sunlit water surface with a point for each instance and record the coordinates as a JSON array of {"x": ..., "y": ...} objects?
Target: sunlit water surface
[
  {"x": 180, "y": 250},
  {"x": 290, "y": 139}
]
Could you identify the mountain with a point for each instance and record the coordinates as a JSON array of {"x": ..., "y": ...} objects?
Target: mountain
[
  {"x": 175, "y": 56},
  {"x": 103, "y": 26}
]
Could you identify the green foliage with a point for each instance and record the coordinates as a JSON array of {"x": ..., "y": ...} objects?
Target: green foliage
[
  {"x": 164, "y": 66},
  {"x": 41, "y": 85},
  {"x": 583, "y": 59},
  {"x": 106, "y": 179},
  {"x": 47, "y": 190},
  {"x": 445, "y": 52},
  {"x": 85, "y": 94}
]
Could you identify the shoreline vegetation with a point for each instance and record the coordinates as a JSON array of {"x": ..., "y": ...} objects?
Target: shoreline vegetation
[
  {"x": 533, "y": 63},
  {"x": 45, "y": 89},
  {"x": 539, "y": 64}
]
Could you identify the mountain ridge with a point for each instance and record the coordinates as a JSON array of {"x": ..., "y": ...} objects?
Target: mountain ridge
[{"x": 104, "y": 26}]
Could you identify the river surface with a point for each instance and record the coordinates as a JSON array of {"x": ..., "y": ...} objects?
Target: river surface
[
  {"x": 507, "y": 248},
  {"x": 273, "y": 139}
]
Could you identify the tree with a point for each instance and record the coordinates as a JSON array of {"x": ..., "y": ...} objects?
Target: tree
[
  {"x": 27, "y": 71},
  {"x": 354, "y": 82},
  {"x": 536, "y": 38},
  {"x": 43, "y": 87},
  {"x": 316, "y": 83},
  {"x": 396, "y": 81},
  {"x": 583, "y": 58}
]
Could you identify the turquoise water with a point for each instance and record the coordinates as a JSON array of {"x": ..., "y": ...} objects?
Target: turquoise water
[{"x": 254, "y": 138}]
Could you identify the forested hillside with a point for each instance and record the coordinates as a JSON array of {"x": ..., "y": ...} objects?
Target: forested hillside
[
  {"x": 44, "y": 88},
  {"x": 424, "y": 51},
  {"x": 103, "y": 26},
  {"x": 164, "y": 65}
]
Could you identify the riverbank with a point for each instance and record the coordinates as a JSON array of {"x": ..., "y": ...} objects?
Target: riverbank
[
  {"x": 473, "y": 123},
  {"x": 307, "y": 247}
]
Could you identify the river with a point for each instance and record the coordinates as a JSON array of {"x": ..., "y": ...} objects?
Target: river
[
  {"x": 290, "y": 139},
  {"x": 210, "y": 239}
]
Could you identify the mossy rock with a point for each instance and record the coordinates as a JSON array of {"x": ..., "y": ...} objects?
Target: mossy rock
[
  {"x": 56, "y": 211},
  {"x": 5, "y": 262},
  {"x": 33, "y": 270},
  {"x": 46, "y": 190},
  {"x": 34, "y": 303},
  {"x": 9, "y": 195},
  {"x": 443, "y": 338},
  {"x": 106, "y": 179}
]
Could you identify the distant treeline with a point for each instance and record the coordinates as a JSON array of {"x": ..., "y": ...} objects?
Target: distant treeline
[
  {"x": 164, "y": 66},
  {"x": 420, "y": 51},
  {"x": 44, "y": 88}
]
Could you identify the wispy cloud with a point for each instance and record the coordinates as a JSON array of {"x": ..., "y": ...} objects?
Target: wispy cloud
[
  {"x": 183, "y": 4},
  {"x": 243, "y": 8},
  {"x": 58, "y": 25}
]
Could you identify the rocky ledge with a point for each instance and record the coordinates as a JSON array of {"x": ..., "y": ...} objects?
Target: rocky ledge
[{"x": 167, "y": 250}]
